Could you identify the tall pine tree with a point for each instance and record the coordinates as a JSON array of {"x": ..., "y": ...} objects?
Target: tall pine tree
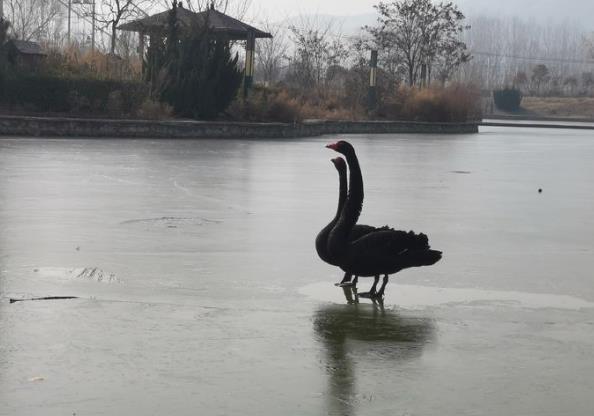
[{"x": 199, "y": 77}]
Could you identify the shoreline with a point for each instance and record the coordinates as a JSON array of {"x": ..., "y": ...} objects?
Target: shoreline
[{"x": 34, "y": 126}]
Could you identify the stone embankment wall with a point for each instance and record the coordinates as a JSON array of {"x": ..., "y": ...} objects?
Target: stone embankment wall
[{"x": 179, "y": 129}]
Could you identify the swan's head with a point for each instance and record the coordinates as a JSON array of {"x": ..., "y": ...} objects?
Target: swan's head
[
  {"x": 339, "y": 164},
  {"x": 342, "y": 146}
]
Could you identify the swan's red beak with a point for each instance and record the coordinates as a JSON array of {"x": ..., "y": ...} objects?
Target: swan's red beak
[{"x": 333, "y": 146}]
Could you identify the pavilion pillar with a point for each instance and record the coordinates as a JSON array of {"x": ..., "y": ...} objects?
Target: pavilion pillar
[
  {"x": 372, "y": 92},
  {"x": 250, "y": 47},
  {"x": 141, "y": 48}
]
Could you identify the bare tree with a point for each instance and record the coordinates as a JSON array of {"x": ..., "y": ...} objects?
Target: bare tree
[
  {"x": 316, "y": 49},
  {"x": 421, "y": 35},
  {"x": 33, "y": 19},
  {"x": 540, "y": 75},
  {"x": 112, "y": 12},
  {"x": 270, "y": 53},
  {"x": 588, "y": 41},
  {"x": 504, "y": 46}
]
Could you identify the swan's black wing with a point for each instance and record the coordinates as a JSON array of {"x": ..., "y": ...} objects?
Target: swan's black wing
[
  {"x": 361, "y": 230},
  {"x": 391, "y": 250},
  {"x": 389, "y": 242}
]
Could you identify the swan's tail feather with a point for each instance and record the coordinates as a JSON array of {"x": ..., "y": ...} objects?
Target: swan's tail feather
[
  {"x": 431, "y": 257},
  {"x": 418, "y": 241},
  {"x": 423, "y": 258}
]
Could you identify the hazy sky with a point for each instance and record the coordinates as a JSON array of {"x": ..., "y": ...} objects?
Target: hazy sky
[
  {"x": 581, "y": 10},
  {"x": 286, "y": 8}
]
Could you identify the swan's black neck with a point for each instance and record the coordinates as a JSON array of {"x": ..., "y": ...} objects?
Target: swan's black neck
[
  {"x": 351, "y": 211},
  {"x": 322, "y": 237},
  {"x": 342, "y": 190}
]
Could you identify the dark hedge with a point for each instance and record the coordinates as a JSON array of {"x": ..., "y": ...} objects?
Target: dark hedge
[
  {"x": 508, "y": 99},
  {"x": 43, "y": 93}
]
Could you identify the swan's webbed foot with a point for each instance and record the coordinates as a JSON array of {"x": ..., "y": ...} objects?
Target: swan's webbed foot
[
  {"x": 347, "y": 282},
  {"x": 367, "y": 295},
  {"x": 378, "y": 302},
  {"x": 380, "y": 293},
  {"x": 372, "y": 292},
  {"x": 350, "y": 294}
]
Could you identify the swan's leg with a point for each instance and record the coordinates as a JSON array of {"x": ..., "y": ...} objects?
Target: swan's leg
[
  {"x": 346, "y": 280},
  {"x": 380, "y": 294},
  {"x": 371, "y": 292}
]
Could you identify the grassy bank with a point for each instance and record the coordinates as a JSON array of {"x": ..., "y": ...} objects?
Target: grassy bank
[{"x": 578, "y": 107}]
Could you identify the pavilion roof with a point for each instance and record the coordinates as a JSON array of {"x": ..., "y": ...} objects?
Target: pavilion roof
[{"x": 218, "y": 22}]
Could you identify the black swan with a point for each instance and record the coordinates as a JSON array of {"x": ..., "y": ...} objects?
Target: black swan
[
  {"x": 357, "y": 232},
  {"x": 385, "y": 251}
]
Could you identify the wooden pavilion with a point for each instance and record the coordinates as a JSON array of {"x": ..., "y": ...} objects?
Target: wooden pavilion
[{"x": 219, "y": 23}]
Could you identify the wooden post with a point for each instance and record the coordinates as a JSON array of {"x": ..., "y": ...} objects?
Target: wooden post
[
  {"x": 372, "y": 92},
  {"x": 249, "y": 62},
  {"x": 141, "y": 52},
  {"x": 141, "y": 45}
]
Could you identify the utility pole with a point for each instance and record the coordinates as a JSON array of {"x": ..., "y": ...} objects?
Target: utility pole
[
  {"x": 69, "y": 18},
  {"x": 372, "y": 90},
  {"x": 93, "y": 29},
  {"x": 83, "y": 4}
]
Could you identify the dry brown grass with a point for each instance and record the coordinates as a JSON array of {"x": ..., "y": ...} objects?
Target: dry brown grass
[
  {"x": 436, "y": 104},
  {"x": 454, "y": 103},
  {"x": 154, "y": 110},
  {"x": 560, "y": 106},
  {"x": 76, "y": 62},
  {"x": 266, "y": 105}
]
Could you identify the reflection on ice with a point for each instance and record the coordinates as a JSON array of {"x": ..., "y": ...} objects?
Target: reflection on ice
[{"x": 351, "y": 331}]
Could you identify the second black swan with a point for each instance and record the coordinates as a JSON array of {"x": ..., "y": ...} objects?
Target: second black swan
[
  {"x": 385, "y": 251},
  {"x": 358, "y": 230}
]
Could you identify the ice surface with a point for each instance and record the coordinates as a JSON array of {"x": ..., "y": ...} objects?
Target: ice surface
[{"x": 200, "y": 291}]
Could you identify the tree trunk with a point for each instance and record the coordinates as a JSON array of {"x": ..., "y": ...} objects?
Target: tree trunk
[{"x": 113, "y": 37}]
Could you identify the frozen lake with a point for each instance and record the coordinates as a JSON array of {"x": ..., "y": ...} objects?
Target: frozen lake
[{"x": 200, "y": 291}]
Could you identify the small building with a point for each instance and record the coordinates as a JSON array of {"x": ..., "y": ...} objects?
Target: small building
[
  {"x": 156, "y": 27},
  {"x": 25, "y": 54}
]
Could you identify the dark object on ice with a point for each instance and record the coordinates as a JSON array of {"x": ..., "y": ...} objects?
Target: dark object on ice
[
  {"x": 12, "y": 300},
  {"x": 385, "y": 251},
  {"x": 357, "y": 232},
  {"x": 540, "y": 190}
]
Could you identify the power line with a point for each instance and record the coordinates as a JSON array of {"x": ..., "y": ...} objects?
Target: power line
[
  {"x": 534, "y": 58},
  {"x": 82, "y": 16}
]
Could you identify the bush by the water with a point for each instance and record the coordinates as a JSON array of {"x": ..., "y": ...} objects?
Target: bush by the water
[
  {"x": 31, "y": 92},
  {"x": 267, "y": 105},
  {"x": 455, "y": 103},
  {"x": 508, "y": 99}
]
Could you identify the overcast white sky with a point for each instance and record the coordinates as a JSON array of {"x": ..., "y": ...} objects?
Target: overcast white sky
[
  {"x": 287, "y": 8},
  {"x": 580, "y": 10}
]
